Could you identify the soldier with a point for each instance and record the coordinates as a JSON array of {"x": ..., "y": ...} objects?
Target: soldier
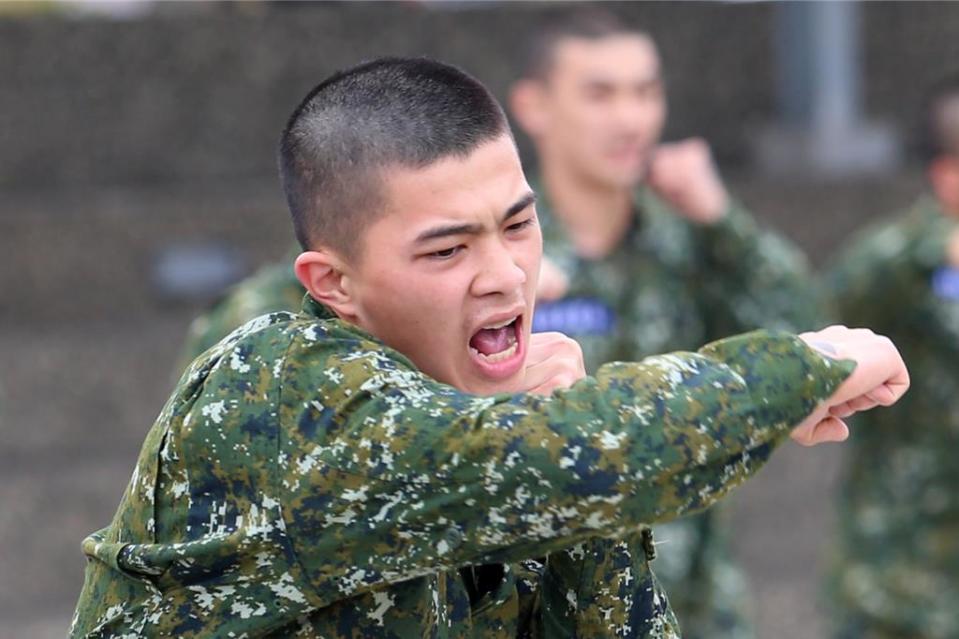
[
  {"x": 648, "y": 252},
  {"x": 383, "y": 463},
  {"x": 897, "y": 566}
]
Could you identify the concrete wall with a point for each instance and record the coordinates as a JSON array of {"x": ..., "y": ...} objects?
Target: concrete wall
[{"x": 199, "y": 94}]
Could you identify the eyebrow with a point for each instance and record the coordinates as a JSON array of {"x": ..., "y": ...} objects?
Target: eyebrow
[
  {"x": 603, "y": 81},
  {"x": 472, "y": 229}
]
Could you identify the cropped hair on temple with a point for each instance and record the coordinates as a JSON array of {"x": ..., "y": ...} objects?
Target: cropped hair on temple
[{"x": 360, "y": 123}]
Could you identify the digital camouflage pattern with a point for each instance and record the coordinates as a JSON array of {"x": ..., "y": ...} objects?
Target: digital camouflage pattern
[
  {"x": 304, "y": 480},
  {"x": 897, "y": 565},
  {"x": 272, "y": 288},
  {"x": 672, "y": 285}
]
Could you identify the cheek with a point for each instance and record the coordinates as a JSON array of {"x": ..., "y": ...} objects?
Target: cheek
[
  {"x": 530, "y": 259},
  {"x": 434, "y": 302},
  {"x": 584, "y": 142},
  {"x": 594, "y": 123},
  {"x": 395, "y": 303},
  {"x": 580, "y": 117}
]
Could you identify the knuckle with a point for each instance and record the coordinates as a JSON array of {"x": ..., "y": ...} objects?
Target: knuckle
[{"x": 571, "y": 346}]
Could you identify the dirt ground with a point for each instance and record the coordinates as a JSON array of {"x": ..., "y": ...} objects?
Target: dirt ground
[{"x": 87, "y": 349}]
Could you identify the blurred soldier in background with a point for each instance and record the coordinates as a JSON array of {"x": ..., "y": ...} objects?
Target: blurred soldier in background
[
  {"x": 648, "y": 253},
  {"x": 272, "y": 288},
  {"x": 897, "y": 568}
]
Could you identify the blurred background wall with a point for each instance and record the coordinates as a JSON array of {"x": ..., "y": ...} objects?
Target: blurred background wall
[{"x": 135, "y": 137}]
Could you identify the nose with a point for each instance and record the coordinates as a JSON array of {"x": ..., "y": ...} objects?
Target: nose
[{"x": 498, "y": 272}]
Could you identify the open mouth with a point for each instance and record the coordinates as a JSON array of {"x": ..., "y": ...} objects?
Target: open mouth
[{"x": 497, "y": 344}]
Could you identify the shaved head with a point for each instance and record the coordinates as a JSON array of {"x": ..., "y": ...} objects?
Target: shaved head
[
  {"x": 353, "y": 127},
  {"x": 583, "y": 23}
]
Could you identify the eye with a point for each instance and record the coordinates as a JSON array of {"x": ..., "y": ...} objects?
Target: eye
[
  {"x": 445, "y": 254},
  {"x": 598, "y": 92},
  {"x": 519, "y": 226}
]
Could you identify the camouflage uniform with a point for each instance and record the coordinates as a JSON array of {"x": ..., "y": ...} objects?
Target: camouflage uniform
[
  {"x": 272, "y": 288},
  {"x": 304, "y": 480},
  {"x": 672, "y": 284},
  {"x": 897, "y": 566}
]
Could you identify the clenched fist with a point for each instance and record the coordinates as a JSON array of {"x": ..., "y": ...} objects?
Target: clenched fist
[
  {"x": 683, "y": 174},
  {"x": 554, "y": 361},
  {"x": 952, "y": 249},
  {"x": 880, "y": 379},
  {"x": 553, "y": 282}
]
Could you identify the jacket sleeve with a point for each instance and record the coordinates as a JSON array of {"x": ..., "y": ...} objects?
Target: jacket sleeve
[
  {"x": 753, "y": 279},
  {"x": 396, "y": 476}
]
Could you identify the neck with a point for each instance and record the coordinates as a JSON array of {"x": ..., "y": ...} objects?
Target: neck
[{"x": 595, "y": 216}]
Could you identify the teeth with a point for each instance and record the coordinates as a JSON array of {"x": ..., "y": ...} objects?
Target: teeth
[
  {"x": 501, "y": 324},
  {"x": 497, "y": 357}
]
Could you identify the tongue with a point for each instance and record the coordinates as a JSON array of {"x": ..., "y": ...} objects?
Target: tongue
[{"x": 491, "y": 340}]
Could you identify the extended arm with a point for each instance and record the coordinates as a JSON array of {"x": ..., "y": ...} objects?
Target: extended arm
[{"x": 443, "y": 479}]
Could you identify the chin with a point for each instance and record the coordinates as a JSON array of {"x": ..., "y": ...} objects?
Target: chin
[
  {"x": 620, "y": 178},
  {"x": 494, "y": 387}
]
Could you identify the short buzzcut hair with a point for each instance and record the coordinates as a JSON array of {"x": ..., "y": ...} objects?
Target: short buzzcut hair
[
  {"x": 587, "y": 23},
  {"x": 940, "y": 113},
  {"x": 391, "y": 112}
]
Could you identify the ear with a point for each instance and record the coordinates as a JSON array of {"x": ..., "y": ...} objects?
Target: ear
[
  {"x": 322, "y": 273},
  {"x": 944, "y": 179},
  {"x": 527, "y": 103}
]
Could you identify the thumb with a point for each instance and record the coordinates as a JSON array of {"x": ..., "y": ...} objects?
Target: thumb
[{"x": 831, "y": 429}]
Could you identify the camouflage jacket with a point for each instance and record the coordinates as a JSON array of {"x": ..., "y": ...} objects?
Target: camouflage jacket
[
  {"x": 673, "y": 284},
  {"x": 670, "y": 285},
  {"x": 898, "y": 566},
  {"x": 306, "y": 480}
]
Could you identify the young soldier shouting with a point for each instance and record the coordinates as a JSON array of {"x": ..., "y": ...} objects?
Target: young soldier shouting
[{"x": 391, "y": 460}]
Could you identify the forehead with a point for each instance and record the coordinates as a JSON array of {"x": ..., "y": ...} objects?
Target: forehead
[
  {"x": 471, "y": 188},
  {"x": 626, "y": 55}
]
